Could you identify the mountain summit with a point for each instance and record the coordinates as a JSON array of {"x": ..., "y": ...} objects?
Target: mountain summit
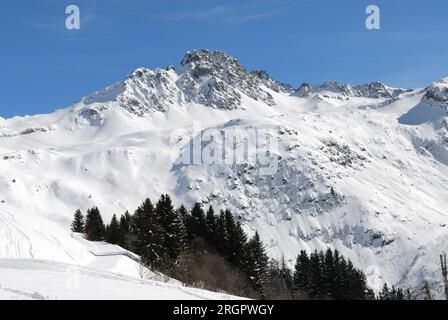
[
  {"x": 213, "y": 79},
  {"x": 217, "y": 80}
]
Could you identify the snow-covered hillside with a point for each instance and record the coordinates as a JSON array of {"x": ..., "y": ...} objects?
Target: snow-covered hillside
[
  {"x": 32, "y": 279},
  {"x": 363, "y": 169}
]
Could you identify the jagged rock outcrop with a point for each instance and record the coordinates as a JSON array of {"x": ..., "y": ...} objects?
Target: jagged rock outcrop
[
  {"x": 437, "y": 93},
  {"x": 216, "y": 79},
  {"x": 210, "y": 78},
  {"x": 373, "y": 90},
  {"x": 144, "y": 91}
]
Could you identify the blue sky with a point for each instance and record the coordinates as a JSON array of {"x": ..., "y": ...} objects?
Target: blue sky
[{"x": 43, "y": 66}]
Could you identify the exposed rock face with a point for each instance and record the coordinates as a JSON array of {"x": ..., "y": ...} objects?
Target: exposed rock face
[
  {"x": 437, "y": 93},
  {"x": 148, "y": 90},
  {"x": 216, "y": 79},
  {"x": 304, "y": 90},
  {"x": 213, "y": 79},
  {"x": 144, "y": 91},
  {"x": 373, "y": 90}
]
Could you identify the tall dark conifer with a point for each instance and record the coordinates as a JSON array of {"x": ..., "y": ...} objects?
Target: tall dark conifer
[
  {"x": 78, "y": 222},
  {"x": 257, "y": 264},
  {"x": 286, "y": 274},
  {"x": 238, "y": 242},
  {"x": 315, "y": 280},
  {"x": 113, "y": 231},
  {"x": 302, "y": 272},
  {"x": 125, "y": 231},
  {"x": 95, "y": 229},
  {"x": 328, "y": 269},
  {"x": 229, "y": 236},
  {"x": 210, "y": 223},
  {"x": 148, "y": 236},
  {"x": 221, "y": 233},
  {"x": 183, "y": 213},
  {"x": 187, "y": 221},
  {"x": 198, "y": 226},
  {"x": 173, "y": 230}
]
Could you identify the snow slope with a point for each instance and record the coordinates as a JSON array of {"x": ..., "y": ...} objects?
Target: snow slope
[
  {"x": 22, "y": 279},
  {"x": 363, "y": 169},
  {"x": 97, "y": 271}
]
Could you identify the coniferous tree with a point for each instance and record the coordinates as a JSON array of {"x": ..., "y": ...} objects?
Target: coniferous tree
[
  {"x": 257, "y": 264},
  {"x": 385, "y": 293},
  {"x": 357, "y": 286},
  {"x": 338, "y": 266},
  {"x": 173, "y": 230},
  {"x": 125, "y": 231},
  {"x": 230, "y": 229},
  {"x": 399, "y": 295},
  {"x": 393, "y": 293},
  {"x": 221, "y": 234},
  {"x": 198, "y": 226},
  {"x": 113, "y": 231},
  {"x": 183, "y": 213},
  {"x": 78, "y": 222},
  {"x": 210, "y": 223},
  {"x": 276, "y": 287},
  {"x": 94, "y": 226},
  {"x": 186, "y": 257},
  {"x": 233, "y": 244},
  {"x": 315, "y": 280},
  {"x": 281, "y": 282},
  {"x": 329, "y": 276},
  {"x": 166, "y": 216},
  {"x": 170, "y": 240},
  {"x": 237, "y": 243},
  {"x": 286, "y": 275},
  {"x": 355, "y": 283},
  {"x": 328, "y": 269},
  {"x": 182, "y": 235},
  {"x": 147, "y": 234},
  {"x": 302, "y": 272},
  {"x": 342, "y": 293},
  {"x": 187, "y": 221}
]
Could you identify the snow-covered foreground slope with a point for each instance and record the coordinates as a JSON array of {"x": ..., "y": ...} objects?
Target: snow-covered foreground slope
[
  {"x": 32, "y": 279},
  {"x": 97, "y": 270},
  {"x": 363, "y": 169}
]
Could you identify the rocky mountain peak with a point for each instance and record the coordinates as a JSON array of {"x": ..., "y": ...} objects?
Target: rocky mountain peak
[
  {"x": 205, "y": 62},
  {"x": 223, "y": 66},
  {"x": 211, "y": 78},
  {"x": 216, "y": 79}
]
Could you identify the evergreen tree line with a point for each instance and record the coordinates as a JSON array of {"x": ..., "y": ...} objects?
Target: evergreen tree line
[
  {"x": 213, "y": 250},
  {"x": 394, "y": 294},
  {"x": 330, "y": 276}
]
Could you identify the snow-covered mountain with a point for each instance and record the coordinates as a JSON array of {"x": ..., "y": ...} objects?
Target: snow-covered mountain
[{"x": 363, "y": 168}]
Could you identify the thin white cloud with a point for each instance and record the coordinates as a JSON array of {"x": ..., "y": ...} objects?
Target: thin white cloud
[
  {"x": 199, "y": 14},
  {"x": 223, "y": 14},
  {"x": 257, "y": 16}
]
